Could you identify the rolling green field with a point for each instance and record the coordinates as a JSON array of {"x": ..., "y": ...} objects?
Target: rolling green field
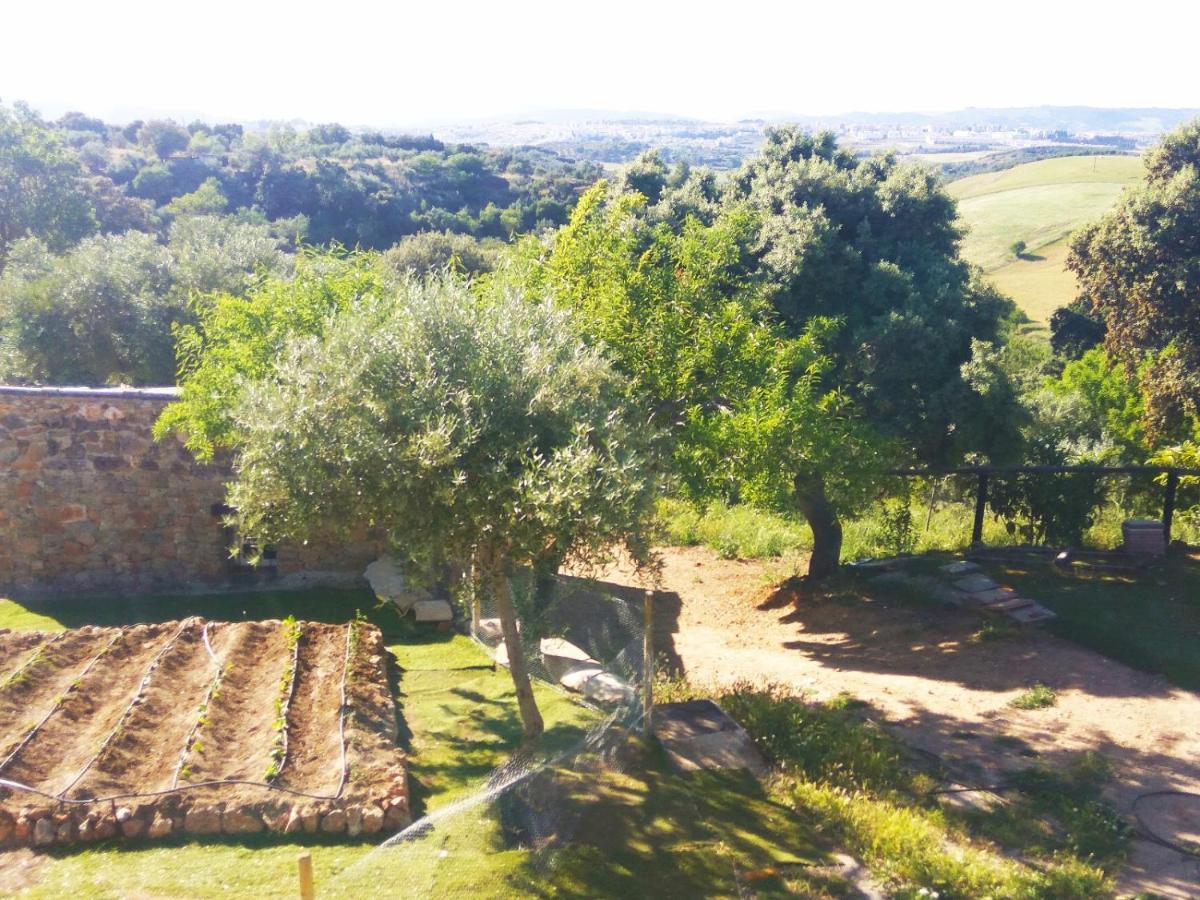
[{"x": 1040, "y": 203}]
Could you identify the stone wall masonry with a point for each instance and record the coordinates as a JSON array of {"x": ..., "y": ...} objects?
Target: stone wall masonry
[{"x": 90, "y": 502}]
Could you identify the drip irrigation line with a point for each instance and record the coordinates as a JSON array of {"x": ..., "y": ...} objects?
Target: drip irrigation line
[
  {"x": 59, "y": 702},
  {"x": 149, "y": 673},
  {"x": 217, "y": 782},
  {"x": 286, "y": 709},
  {"x": 342, "y": 710},
  {"x": 207, "y": 646},
  {"x": 1153, "y": 836},
  {"x": 204, "y": 704}
]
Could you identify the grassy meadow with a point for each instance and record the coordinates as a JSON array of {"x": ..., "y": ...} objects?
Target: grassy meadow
[{"x": 1040, "y": 203}]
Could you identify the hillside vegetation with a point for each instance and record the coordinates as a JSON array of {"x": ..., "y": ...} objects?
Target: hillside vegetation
[{"x": 1040, "y": 203}]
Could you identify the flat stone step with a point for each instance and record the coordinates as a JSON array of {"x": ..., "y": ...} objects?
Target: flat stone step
[
  {"x": 961, "y": 567},
  {"x": 432, "y": 611},
  {"x": 973, "y": 584},
  {"x": 699, "y": 734},
  {"x": 995, "y": 595},
  {"x": 1009, "y": 605},
  {"x": 1031, "y": 615}
]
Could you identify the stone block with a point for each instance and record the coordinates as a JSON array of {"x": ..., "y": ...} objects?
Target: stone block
[
  {"x": 576, "y": 679},
  {"x": 334, "y": 822},
  {"x": 960, "y": 567},
  {"x": 432, "y": 611},
  {"x": 995, "y": 595},
  {"x": 202, "y": 819}
]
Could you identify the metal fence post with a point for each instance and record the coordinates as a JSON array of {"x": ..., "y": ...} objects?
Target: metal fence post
[
  {"x": 980, "y": 509},
  {"x": 1169, "y": 505}
]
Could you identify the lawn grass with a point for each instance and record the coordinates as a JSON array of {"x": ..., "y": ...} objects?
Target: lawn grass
[
  {"x": 1151, "y": 622},
  {"x": 634, "y": 830}
]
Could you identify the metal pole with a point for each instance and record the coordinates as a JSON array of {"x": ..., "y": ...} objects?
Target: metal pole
[
  {"x": 980, "y": 509},
  {"x": 1169, "y": 505},
  {"x": 647, "y": 661}
]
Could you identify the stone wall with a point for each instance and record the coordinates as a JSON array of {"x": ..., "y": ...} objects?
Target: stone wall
[{"x": 89, "y": 501}]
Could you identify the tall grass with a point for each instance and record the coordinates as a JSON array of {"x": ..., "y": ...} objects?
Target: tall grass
[{"x": 742, "y": 532}]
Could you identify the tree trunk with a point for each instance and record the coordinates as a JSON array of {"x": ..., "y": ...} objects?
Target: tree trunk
[
  {"x": 822, "y": 518},
  {"x": 531, "y": 719}
]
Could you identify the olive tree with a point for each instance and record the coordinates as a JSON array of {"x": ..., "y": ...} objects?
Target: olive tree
[{"x": 462, "y": 429}]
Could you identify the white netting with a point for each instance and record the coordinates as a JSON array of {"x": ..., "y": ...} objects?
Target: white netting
[{"x": 576, "y": 634}]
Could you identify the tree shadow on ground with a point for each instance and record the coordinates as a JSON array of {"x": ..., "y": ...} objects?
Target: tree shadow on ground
[{"x": 646, "y": 831}]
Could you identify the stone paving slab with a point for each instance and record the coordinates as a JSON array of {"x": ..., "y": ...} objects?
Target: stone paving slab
[
  {"x": 974, "y": 583},
  {"x": 961, "y": 567},
  {"x": 1029, "y": 615},
  {"x": 699, "y": 734},
  {"x": 1009, "y": 605},
  {"x": 995, "y": 595}
]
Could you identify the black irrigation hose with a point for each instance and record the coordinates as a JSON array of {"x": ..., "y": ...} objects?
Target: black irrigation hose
[
  {"x": 59, "y": 702},
  {"x": 219, "y": 782},
  {"x": 1154, "y": 837},
  {"x": 204, "y": 704},
  {"x": 34, "y": 656},
  {"x": 286, "y": 709},
  {"x": 342, "y": 710}
]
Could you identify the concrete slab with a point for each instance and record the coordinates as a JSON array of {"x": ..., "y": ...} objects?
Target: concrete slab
[
  {"x": 389, "y": 584},
  {"x": 974, "y": 583},
  {"x": 700, "y": 735}
]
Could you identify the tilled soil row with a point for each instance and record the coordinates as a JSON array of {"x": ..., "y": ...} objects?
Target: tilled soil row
[
  {"x": 67, "y": 741},
  {"x": 28, "y": 695},
  {"x": 235, "y": 740},
  {"x": 314, "y": 721}
]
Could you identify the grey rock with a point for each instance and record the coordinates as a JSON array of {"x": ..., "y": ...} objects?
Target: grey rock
[{"x": 432, "y": 611}]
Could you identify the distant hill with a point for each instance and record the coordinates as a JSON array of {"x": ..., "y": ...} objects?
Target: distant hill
[
  {"x": 1076, "y": 119},
  {"x": 1040, "y": 203}
]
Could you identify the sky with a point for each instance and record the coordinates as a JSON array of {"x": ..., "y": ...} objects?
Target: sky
[{"x": 435, "y": 61}]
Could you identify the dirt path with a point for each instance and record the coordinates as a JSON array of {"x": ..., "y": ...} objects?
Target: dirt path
[
  {"x": 73, "y": 733},
  {"x": 314, "y": 738},
  {"x": 944, "y": 693},
  {"x": 142, "y": 756},
  {"x": 236, "y": 739}
]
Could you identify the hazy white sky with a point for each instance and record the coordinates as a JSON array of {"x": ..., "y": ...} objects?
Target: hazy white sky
[{"x": 395, "y": 63}]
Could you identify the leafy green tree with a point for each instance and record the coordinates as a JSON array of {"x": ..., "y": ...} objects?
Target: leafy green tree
[
  {"x": 1138, "y": 268},
  {"x": 164, "y": 137},
  {"x": 154, "y": 182},
  {"x": 874, "y": 244},
  {"x": 433, "y": 251},
  {"x": 206, "y": 200},
  {"x": 748, "y": 407},
  {"x": 104, "y": 312},
  {"x": 237, "y": 338},
  {"x": 463, "y": 430},
  {"x": 43, "y": 193}
]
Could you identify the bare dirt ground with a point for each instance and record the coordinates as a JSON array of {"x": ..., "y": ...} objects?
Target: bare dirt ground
[{"x": 944, "y": 693}]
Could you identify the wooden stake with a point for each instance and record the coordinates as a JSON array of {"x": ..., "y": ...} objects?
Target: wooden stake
[
  {"x": 648, "y": 662},
  {"x": 304, "y": 865}
]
